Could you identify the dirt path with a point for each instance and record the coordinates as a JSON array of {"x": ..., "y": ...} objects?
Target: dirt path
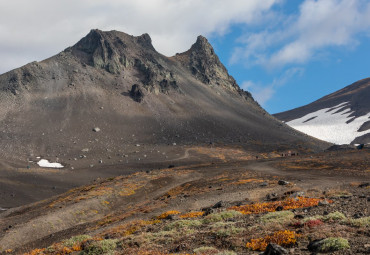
[{"x": 306, "y": 178}]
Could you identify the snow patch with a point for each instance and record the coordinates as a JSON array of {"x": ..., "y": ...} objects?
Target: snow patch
[
  {"x": 331, "y": 127},
  {"x": 46, "y": 163}
]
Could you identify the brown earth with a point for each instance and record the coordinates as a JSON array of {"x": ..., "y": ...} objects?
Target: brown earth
[{"x": 104, "y": 207}]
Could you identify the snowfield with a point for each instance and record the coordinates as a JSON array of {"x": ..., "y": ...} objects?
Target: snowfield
[
  {"x": 46, "y": 163},
  {"x": 329, "y": 124}
]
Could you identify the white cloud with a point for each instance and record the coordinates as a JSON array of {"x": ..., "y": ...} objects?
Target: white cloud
[
  {"x": 260, "y": 93},
  {"x": 33, "y": 30},
  {"x": 319, "y": 24},
  {"x": 263, "y": 93}
]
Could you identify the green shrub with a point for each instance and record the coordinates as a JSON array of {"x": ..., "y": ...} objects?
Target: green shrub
[
  {"x": 205, "y": 250},
  {"x": 74, "y": 240},
  {"x": 334, "y": 244},
  {"x": 101, "y": 247},
  {"x": 181, "y": 224},
  {"x": 361, "y": 222},
  {"x": 221, "y": 216},
  {"x": 229, "y": 231},
  {"x": 312, "y": 218},
  {"x": 335, "y": 216},
  {"x": 277, "y": 217},
  {"x": 226, "y": 253}
]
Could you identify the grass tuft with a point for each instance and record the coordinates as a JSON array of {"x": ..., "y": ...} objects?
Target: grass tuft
[
  {"x": 334, "y": 216},
  {"x": 221, "y": 216},
  {"x": 361, "y": 222},
  {"x": 334, "y": 244},
  {"x": 277, "y": 217},
  {"x": 101, "y": 247}
]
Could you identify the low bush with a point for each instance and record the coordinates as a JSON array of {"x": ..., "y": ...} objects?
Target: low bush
[
  {"x": 277, "y": 217},
  {"x": 334, "y": 216},
  {"x": 333, "y": 244},
  {"x": 284, "y": 238},
  {"x": 181, "y": 224},
  {"x": 205, "y": 250},
  {"x": 361, "y": 222},
  {"x": 168, "y": 213},
  {"x": 313, "y": 223},
  {"x": 76, "y": 240},
  {"x": 216, "y": 217},
  {"x": 191, "y": 215},
  {"x": 288, "y": 204},
  {"x": 101, "y": 247},
  {"x": 229, "y": 231}
]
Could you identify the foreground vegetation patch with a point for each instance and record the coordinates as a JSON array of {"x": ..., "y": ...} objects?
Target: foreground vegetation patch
[{"x": 288, "y": 204}]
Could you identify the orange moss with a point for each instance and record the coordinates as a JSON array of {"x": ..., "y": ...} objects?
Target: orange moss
[
  {"x": 284, "y": 238},
  {"x": 129, "y": 228},
  {"x": 246, "y": 181},
  {"x": 288, "y": 204},
  {"x": 191, "y": 215},
  {"x": 36, "y": 252},
  {"x": 168, "y": 213}
]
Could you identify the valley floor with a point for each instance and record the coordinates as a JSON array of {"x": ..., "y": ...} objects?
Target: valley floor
[{"x": 230, "y": 204}]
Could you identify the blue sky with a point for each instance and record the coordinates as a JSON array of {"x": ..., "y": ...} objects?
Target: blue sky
[{"x": 287, "y": 53}]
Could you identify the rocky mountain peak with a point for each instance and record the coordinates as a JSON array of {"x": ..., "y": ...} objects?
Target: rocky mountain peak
[
  {"x": 205, "y": 65},
  {"x": 202, "y": 44}
]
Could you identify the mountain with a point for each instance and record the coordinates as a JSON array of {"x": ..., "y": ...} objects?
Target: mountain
[
  {"x": 112, "y": 92},
  {"x": 342, "y": 117}
]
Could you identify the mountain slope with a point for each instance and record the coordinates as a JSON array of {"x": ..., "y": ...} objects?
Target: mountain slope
[
  {"x": 50, "y": 108},
  {"x": 342, "y": 117}
]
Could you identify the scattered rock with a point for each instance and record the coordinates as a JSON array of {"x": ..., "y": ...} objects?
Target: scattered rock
[
  {"x": 274, "y": 249},
  {"x": 297, "y": 194},
  {"x": 264, "y": 184},
  {"x": 96, "y": 129},
  {"x": 272, "y": 197},
  {"x": 299, "y": 216},
  {"x": 207, "y": 211},
  {"x": 364, "y": 185},
  {"x": 282, "y": 182},
  {"x": 220, "y": 204},
  {"x": 358, "y": 215},
  {"x": 85, "y": 150},
  {"x": 171, "y": 166},
  {"x": 100, "y": 161},
  {"x": 315, "y": 245},
  {"x": 279, "y": 208},
  {"x": 136, "y": 93},
  {"x": 323, "y": 202}
]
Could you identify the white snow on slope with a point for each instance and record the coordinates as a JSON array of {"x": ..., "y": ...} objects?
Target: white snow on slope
[
  {"x": 46, "y": 163},
  {"x": 331, "y": 125}
]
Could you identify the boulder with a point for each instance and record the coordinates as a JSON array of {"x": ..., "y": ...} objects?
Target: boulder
[
  {"x": 274, "y": 249},
  {"x": 136, "y": 93}
]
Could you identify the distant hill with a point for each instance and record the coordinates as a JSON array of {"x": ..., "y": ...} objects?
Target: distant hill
[{"x": 342, "y": 117}]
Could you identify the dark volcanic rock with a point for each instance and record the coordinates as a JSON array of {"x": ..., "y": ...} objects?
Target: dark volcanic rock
[
  {"x": 82, "y": 86},
  {"x": 274, "y": 249},
  {"x": 136, "y": 93}
]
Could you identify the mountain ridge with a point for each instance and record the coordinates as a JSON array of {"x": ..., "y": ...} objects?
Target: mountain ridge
[{"x": 50, "y": 107}]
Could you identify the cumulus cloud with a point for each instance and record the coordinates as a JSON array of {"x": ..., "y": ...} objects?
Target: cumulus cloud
[
  {"x": 318, "y": 25},
  {"x": 33, "y": 30}
]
